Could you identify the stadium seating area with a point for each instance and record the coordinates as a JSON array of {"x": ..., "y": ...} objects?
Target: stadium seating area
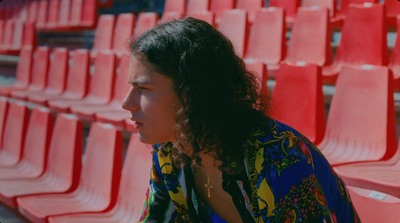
[{"x": 68, "y": 152}]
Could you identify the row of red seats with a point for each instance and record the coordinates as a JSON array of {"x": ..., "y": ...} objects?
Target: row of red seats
[
  {"x": 43, "y": 175},
  {"x": 337, "y": 12},
  {"x": 53, "y": 15},
  {"x": 16, "y": 34},
  {"x": 265, "y": 41}
]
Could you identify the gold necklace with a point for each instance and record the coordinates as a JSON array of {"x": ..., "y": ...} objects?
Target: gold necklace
[{"x": 208, "y": 186}]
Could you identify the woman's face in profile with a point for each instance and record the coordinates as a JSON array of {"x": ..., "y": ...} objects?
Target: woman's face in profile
[{"x": 152, "y": 102}]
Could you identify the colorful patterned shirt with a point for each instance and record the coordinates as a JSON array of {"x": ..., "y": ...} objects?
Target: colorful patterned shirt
[{"x": 283, "y": 178}]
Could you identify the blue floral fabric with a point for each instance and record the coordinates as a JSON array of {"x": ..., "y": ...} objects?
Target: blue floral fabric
[{"x": 283, "y": 178}]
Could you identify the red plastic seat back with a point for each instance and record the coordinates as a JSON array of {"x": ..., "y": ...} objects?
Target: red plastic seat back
[
  {"x": 290, "y": 6},
  {"x": 344, "y": 5},
  {"x": 40, "y": 68},
  {"x": 145, "y": 21},
  {"x": 37, "y": 138},
  {"x": 76, "y": 13},
  {"x": 24, "y": 67},
  {"x": 235, "y": 26},
  {"x": 102, "y": 163},
  {"x": 78, "y": 74},
  {"x": 218, "y": 7},
  {"x": 135, "y": 176},
  {"x": 64, "y": 14},
  {"x": 102, "y": 80},
  {"x": 367, "y": 21},
  {"x": 178, "y": 6},
  {"x": 267, "y": 37},
  {"x": 89, "y": 14},
  {"x": 298, "y": 90},
  {"x": 330, "y": 4},
  {"x": 121, "y": 88},
  {"x": 392, "y": 11},
  {"x": 251, "y": 7},
  {"x": 58, "y": 70},
  {"x": 394, "y": 61},
  {"x": 29, "y": 38},
  {"x": 259, "y": 70},
  {"x": 197, "y": 6},
  {"x": 310, "y": 39},
  {"x": 362, "y": 110},
  {"x": 52, "y": 14},
  {"x": 33, "y": 11},
  {"x": 103, "y": 38},
  {"x": 123, "y": 31},
  {"x": 15, "y": 131},
  {"x": 65, "y": 151},
  {"x": 42, "y": 14}
]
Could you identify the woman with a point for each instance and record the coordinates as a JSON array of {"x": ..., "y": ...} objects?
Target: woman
[{"x": 217, "y": 156}]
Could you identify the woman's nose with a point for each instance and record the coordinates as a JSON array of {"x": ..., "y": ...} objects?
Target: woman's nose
[{"x": 130, "y": 102}]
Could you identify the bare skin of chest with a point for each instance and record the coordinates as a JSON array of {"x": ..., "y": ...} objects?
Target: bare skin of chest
[{"x": 208, "y": 179}]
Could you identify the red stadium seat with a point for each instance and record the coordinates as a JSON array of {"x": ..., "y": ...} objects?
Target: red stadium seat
[
  {"x": 251, "y": 7},
  {"x": 113, "y": 112},
  {"x": 33, "y": 11},
  {"x": 56, "y": 78},
  {"x": 267, "y": 39},
  {"x": 53, "y": 13},
  {"x": 394, "y": 60},
  {"x": 259, "y": 69},
  {"x": 32, "y": 163},
  {"x": 374, "y": 206},
  {"x": 174, "y": 6},
  {"x": 22, "y": 74},
  {"x": 40, "y": 68},
  {"x": 334, "y": 19},
  {"x": 368, "y": 21},
  {"x": 234, "y": 25},
  {"x": 101, "y": 85},
  {"x": 345, "y": 4},
  {"x": 144, "y": 22},
  {"x": 298, "y": 89},
  {"x": 83, "y": 14},
  {"x": 121, "y": 89},
  {"x": 103, "y": 38},
  {"x": 392, "y": 11},
  {"x": 290, "y": 7},
  {"x": 206, "y": 16},
  {"x": 218, "y": 7},
  {"x": 13, "y": 37},
  {"x": 311, "y": 36},
  {"x": 132, "y": 189},
  {"x": 366, "y": 130},
  {"x": 63, "y": 164},
  {"x": 123, "y": 31},
  {"x": 196, "y": 7},
  {"x": 77, "y": 80},
  {"x": 63, "y": 22},
  {"x": 14, "y": 134},
  {"x": 99, "y": 180},
  {"x": 42, "y": 14}
]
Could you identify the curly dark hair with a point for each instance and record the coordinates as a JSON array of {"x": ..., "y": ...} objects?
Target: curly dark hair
[{"x": 221, "y": 104}]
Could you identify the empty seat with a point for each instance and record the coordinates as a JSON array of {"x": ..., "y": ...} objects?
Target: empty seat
[
  {"x": 290, "y": 7},
  {"x": 40, "y": 68},
  {"x": 123, "y": 31},
  {"x": 368, "y": 21},
  {"x": 311, "y": 36},
  {"x": 385, "y": 207},
  {"x": 63, "y": 22},
  {"x": 13, "y": 37},
  {"x": 173, "y": 9},
  {"x": 297, "y": 99},
  {"x": 121, "y": 89},
  {"x": 52, "y": 15},
  {"x": 366, "y": 130},
  {"x": 394, "y": 60},
  {"x": 103, "y": 37},
  {"x": 267, "y": 39},
  {"x": 77, "y": 80},
  {"x": 218, "y": 7},
  {"x": 83, "y": 14},
  {"x": 235, "y": 26},
  {"x": 22, "y": 73},
  {"x": 101, "y": 85},
  {"x": 98, "y": 185},
  {"x": 251, "y": 7},
  {"x": 35, "y": 148},
  {"x": 132, "y": 189},
  {"x": 112, "y": 112},
  {"x": 392, "y": 11},
  {"x": 345, "y": 4},
  {"x": 41, "y": 19},
  {"x": 196, "y": 7},
  {"x": 63, "y": 164},
  {"x": 145, "y": 21},
  {"x": 56, "y": 78},
  {"x": 259, "y": 69},
  {"x": 14, "y": 134}
]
